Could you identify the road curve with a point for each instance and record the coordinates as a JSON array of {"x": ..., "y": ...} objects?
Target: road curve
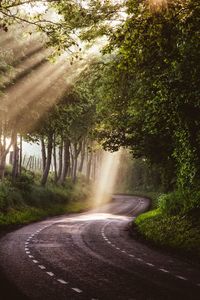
[{"x": 93, "y": 256}]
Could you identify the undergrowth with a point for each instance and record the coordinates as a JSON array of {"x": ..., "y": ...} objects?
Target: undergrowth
[
  {"x": 24, "y": 200},
  {"x": 175, "y": 223}
]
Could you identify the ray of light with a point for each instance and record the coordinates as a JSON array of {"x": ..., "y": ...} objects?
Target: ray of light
[
  {"x": 24, "y": 67},
  {"x": 106, "y": 178},
  {"x": 47, "y": 98},
  {"x": 41, "y": 87},
  {"x": 33, "y": 85}
]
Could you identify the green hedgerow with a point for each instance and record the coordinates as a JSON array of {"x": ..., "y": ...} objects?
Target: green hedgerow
[
  {"x": 177, "y": 232},
  {"x": 180, "y": 202}
]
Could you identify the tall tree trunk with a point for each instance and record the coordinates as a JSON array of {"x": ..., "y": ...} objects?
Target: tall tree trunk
[
  {"x": 20, "y": 156},
  {"x": 82, "y": 156},
  {"x": 44, "y": 157},
  {"x": 4, "y": 150},
  {"x": 94, "y": 166},
  {"x": 72, "y": 162},
  {"x": 2, "y": 167},
  {"x": 55, "y": 160},
  {"x": 60, "y": 160},
  {"x": 77, "y": 150},
  {"x": 48, "y": 160},
  {"x": 15, "y": 168},
  {"x": 66, "y": 161},
  {"x": 89, "y": 164}
]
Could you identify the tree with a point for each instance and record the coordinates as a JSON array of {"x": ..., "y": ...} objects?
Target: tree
[
  {"x": 148, "y": 91},
  {"x": 74, "y": 20}
]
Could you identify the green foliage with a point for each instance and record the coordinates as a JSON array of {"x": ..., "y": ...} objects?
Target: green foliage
[
  {"x": 19, "y": 206},
  {"x": 175, "y": 223},
  {"x": 187, "y": 160},
  {"x": 24, "y": 181},
  {"x": 137, "y": 175},
  {"x": 175, "y": 232},
  {"x": 9, "y": 196},
  {"x": 74, "y": 21},
  {"x": 148, "y": 90},
  {"x": 147, "y": 215},
  {"x": 183, "y": 202},
  {"x": 4, "y": 193}
]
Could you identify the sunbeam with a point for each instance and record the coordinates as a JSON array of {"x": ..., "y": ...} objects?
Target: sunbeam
[
  {"x": 106, "y": 178},
  {"x": 42, "y": 86},
  {"x": 25, "y": 66}
]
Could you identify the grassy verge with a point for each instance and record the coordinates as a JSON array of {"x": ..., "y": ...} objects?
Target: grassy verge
[
  {"x": 26, "y": 201},
  {"x": 174, "y": 224}
]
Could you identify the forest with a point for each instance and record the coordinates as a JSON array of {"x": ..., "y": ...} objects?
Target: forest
[{"x": 82, "y": 77}]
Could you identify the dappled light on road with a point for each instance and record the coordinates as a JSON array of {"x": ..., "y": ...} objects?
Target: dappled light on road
[{"x": 93, "y": 217}]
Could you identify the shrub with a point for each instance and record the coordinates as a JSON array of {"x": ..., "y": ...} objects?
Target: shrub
[
  {"x": 24, "y": 181},
  {"x": 176, "y": 232},
  {"x": 180, "y": 202},
  {"x": 4, "y": 195},
  {"x": 9, "y": 196},
  {"x": 26, "y": 201}
]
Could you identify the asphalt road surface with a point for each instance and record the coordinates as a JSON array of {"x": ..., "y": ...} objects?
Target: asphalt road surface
[{"x": 93, "y": 256}]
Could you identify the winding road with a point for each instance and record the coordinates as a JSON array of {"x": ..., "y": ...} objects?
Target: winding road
[{"x": 93, "y": 256}]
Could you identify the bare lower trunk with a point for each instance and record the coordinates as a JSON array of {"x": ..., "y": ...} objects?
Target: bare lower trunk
[
  {"x": 48, "y": 160},
  {"x": 44, "y": 157},
  {"x": 77, "y": 150},
  {"x": 66, "y": 161},
  {"x": 89, "y": 166},
  {"x": 94, "y": 167},
  {"x": 75, "y": 170},
  {"x": 72, "y": 162},
  {"x": 4, "y": 150},
  {"x": 82, "y": 157},
  {"x": 15, "y": 169},
  {"x": 60, "y": 160},
  {"x": 55, "y": 160},
  {"x": 20, "y": 156},
  {"x": 2, "y": 168}
]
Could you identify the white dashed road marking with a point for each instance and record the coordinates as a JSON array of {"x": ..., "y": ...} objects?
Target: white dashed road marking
[
  {"x": 35, "y": 261},
  {"x": 62, "y": 281},
  {"x": 164, "y": 270},
  {"x": 77, "y": 290},
  {"x": 42, "y": 267},
  {"x": 149, "y": 264},
  {"x": 50, "y": 274},
  {"x": 181, "y": 277},
  {"x": 138, "y": 258}
]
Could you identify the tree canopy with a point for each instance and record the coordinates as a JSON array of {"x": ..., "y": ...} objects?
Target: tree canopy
[{"x": 143, "y": 92}]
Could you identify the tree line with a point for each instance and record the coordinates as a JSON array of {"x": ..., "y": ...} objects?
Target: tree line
[
  {"x": 148, "y": 90},
  {"x": 143, "y": 92}
]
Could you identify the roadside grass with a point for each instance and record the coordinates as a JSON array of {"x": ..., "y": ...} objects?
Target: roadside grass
[
  {"x": 26, "y": 201},
  {"x": 175, "y": 224}
]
